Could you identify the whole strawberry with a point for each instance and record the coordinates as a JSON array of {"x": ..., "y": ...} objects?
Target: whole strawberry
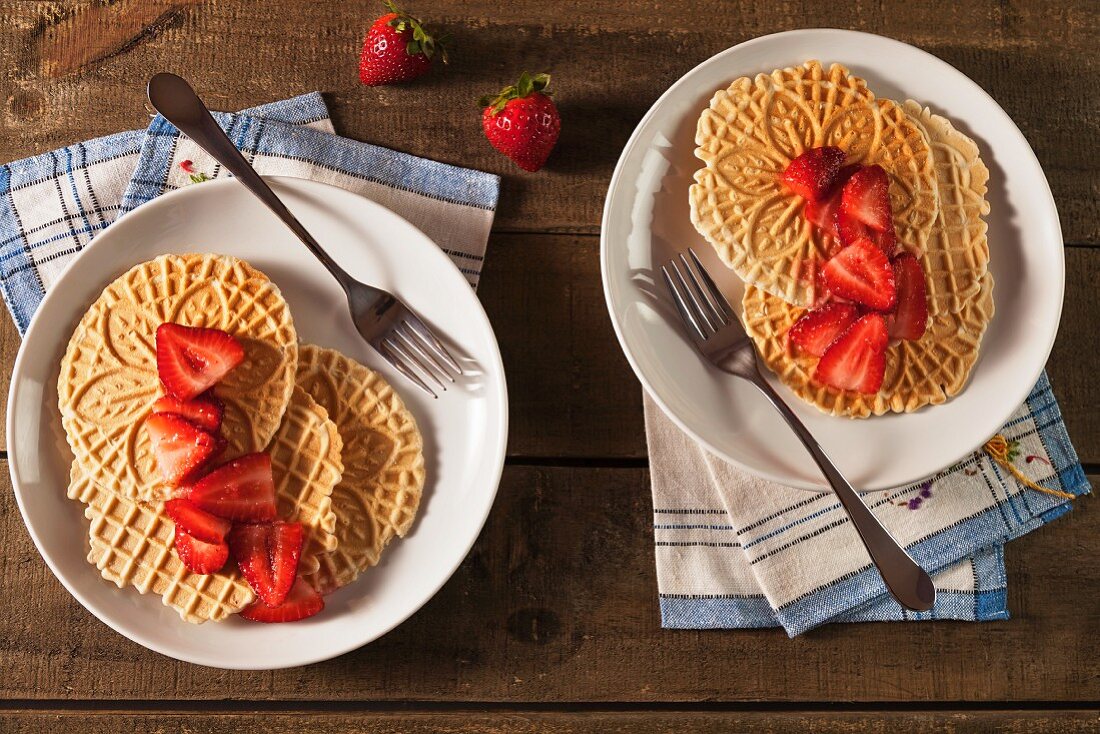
[
  {"x": 397, "y": 49},
  {"x": 522, "y": 121}
]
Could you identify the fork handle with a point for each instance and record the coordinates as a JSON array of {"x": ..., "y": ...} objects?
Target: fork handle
[
  {"x": 906, "y": 581},
  {"x": 174, "y": 98}
]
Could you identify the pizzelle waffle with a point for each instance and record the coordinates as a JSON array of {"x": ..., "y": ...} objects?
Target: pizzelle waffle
[
  {"x": 755, "y": 127},
  {"x": 132, "y": 545},
  {"x": 108, "y": 378},
  {"x": 383, "y": 480},
  {"x": 306, "y": 463},
  {"x": 956, "y": 256},
  {"x": 960, "y": 298}
]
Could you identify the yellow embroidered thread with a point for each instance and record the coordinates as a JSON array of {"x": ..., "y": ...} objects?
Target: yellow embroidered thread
[{"x": 997, "y": 447}]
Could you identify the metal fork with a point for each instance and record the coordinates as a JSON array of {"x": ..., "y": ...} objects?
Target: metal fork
[
  {"x": 386, "y": 323},
  {"x": 719, "y": 336}
]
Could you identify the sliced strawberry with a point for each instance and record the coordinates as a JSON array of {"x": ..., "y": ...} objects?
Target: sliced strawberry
[
  {"x": 181, "y": 448},
  {"x": 860, "y": 272},
  {"x": 816, "y": 330},
  {"x": 866, "y": 197},
  {"x": 204, "y": 411},
  {"x": 197, "y": 523},
  {"x": 220, "y": 445},
  {"x": 848, "y": 228},
  {"x": 198, "y": 555},
  {"x": 302, "y": 601},
  {"x": 249, "y": 544},
  {"x": 242, "y": 489},
  {"x": 268, "y": 557},
  {"x": 843, "y": 175},
  {"x": 886, "y": 240},
  {"x": 811, "y": 174},
  {"x": 286, "y": 550},
  {"x": 822, "y": 214},
  {"x": 191, "y": 360},
  {"x": 911, "y": 317},
  {"x": 857, "y": 360}
]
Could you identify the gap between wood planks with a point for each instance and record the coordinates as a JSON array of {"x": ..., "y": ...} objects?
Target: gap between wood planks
[{"x": 330, "y": 707}]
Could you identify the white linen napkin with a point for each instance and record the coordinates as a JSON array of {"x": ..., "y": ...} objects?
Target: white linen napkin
[{"x": 734, "y": 550}]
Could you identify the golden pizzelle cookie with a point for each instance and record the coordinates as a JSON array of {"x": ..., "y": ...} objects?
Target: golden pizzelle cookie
[
  {"x": 132, "y": 545},
  {"x": 750, "y": 133},
  {"x": 306, "y": 464},
  {"x": 956, "y": 256},
  {"x": 379, "y": 493},
  {"x": 108, "y": 378},
  {"x": 918, "y": 373},
  {"x": 937, "y": 366}
]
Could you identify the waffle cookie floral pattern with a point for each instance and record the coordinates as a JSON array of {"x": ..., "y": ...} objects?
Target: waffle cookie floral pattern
[
  {"x": 209, "y": 473},
  {"x": 108, "y": 381},
  {"x": 752, "y": 131},
  {"x": 306, "y": 457}
]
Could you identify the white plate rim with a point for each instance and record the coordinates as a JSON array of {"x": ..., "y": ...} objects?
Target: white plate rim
[
  {"x": 610, "y": 296},
  {"x": 89, "y": 604}
]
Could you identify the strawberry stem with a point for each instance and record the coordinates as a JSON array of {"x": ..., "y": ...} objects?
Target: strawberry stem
[
  {"x": 528, "y": 84},
  {"x": 423, "y": 42}
]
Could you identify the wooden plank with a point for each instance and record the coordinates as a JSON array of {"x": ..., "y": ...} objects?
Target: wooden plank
[
  {"x": 572, "y": 392},
  {"x": 557, "y": 603},
  {"x": 521, "y": 722},
  {"x": 1071, "y": 366},
  {"x": 75, "y": 70},
  {"x": 570, "y": 389}
]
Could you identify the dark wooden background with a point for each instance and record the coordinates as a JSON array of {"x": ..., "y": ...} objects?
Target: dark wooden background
[{"x": 551, "y": 624}]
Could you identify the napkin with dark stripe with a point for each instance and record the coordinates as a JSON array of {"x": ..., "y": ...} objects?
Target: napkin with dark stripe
[{"x": 734, "y": 550}]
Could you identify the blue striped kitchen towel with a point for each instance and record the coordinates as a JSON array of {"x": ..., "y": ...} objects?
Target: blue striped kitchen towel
[
  {"x": 53, "y": 204},
  {"x": 734, "y": 550}
]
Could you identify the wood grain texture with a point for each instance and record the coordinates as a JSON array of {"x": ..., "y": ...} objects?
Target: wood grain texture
[
  {"x": 609, "y": 64},
  {"x": 557, "y": 603},
  {"x": 572, "y": 393},
  {"x": 519, "y": 722},
  {"x": 70, "y": 41},
  {"x": 570, "y": 390}
]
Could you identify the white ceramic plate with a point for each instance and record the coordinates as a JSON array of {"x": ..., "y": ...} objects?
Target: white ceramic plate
[
  {"x": 647, "y": 220},
  {"x": 464, "y": 431}
]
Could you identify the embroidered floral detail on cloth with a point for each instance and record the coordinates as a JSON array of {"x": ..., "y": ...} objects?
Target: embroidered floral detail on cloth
[
  {"x": 1005, "y": 453},
  {"x": 924, "y": 492},
  {"x": 189, "y": 168}
]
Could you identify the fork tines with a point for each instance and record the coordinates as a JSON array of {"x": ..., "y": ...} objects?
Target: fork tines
[
  {"x": 700, "y": 303},
  {"x": 414, "y": 351}
]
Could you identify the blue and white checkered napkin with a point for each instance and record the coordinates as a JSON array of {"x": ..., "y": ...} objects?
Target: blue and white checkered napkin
[
  {"x": 52, "y": 205},
  {"x": 734, "y": 550}
]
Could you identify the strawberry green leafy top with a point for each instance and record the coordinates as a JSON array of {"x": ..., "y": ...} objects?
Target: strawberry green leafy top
[
  {"x": 422, "y": 42},
  {"x": 526, "y": 85}
]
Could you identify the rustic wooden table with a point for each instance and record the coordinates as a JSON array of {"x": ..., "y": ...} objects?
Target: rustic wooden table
[{"x": 551, "y": 624}]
